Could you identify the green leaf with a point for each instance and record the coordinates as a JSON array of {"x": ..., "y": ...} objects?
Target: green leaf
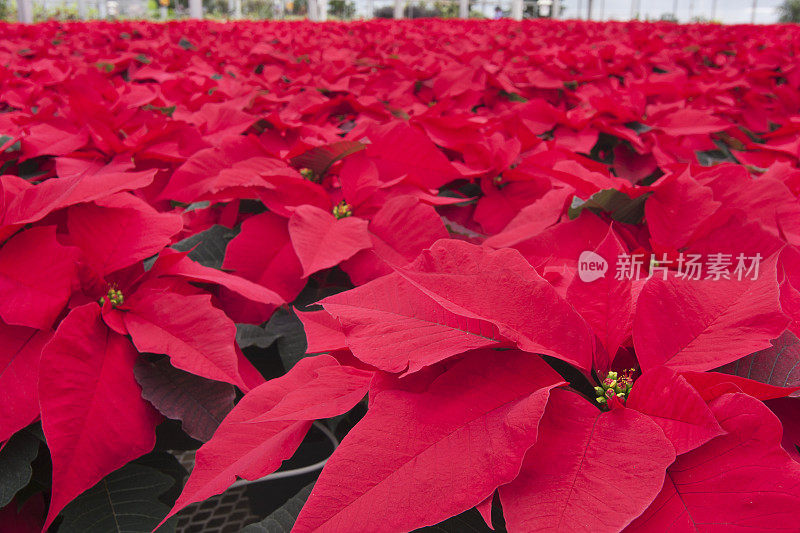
[
  {"x": 30, "y": 169},
  {"x": 320, "y": 158},
  {"x": 282, "y": 519},
  {"x": 638, "y": 127},
  {"x": 210, "y": 245},
  {"x": 125, "y": 500},
  {"x": 467, "y": 522},
  {"x": 283, "y": 328},
  {"x": 778, "y": 365},
  {"x": 199, "y": 403},
  {"x": 291, "y": 336},
  {"x": 163, "y": 110},
  {"x": 722, "y": 154},
  {"x": 186, "y": 44},
  {"x": 709, "y": 158},
  {"x": 513, "y": 97},
  {"x": 248, "y": 335},
  {"x": 166, "y": 463},
  {"x": 15, "y": 464},
  {"x": 619, "y": 205}
]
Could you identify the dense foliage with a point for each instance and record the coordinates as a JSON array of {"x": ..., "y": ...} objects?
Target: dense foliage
[{"x": 560, "y": 259}]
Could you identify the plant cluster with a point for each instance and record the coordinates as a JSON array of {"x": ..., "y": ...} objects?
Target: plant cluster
[{"x": 556, "y": 269}]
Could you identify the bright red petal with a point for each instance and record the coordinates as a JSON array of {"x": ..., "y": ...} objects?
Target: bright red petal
[
  {"x": 502, "y": 288},
  {"x": 20, "y": 351},
  {"x": 390, "y": 324},
  {"x": 742, "y": 481},
  {"x": 400, "y": 230},
  {"x": 249, "y": 449},
  {"x": 197, "y": 337},
  {"x": 450, "y": 446},
  {"x": 120, "y": 230},
  {"x": 677, "y": 207},
  {"x": 701, "y": 325},
  {"x": 262, "y": 252},
  {"x": 36, "y": 277},
  {"x": 93, "y": 414},
  {"x": 321, "y": 241},
  {"x": 587, "y": 467},
  {"x": 676, "y": 407},
  {"x": 605, "y": 303}
]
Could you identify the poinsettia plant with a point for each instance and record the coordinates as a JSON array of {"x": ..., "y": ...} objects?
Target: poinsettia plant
[{"x": 534, "y": 276}]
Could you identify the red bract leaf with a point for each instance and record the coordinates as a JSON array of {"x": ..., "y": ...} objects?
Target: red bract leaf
[
  {"x": 563, "y": 243},
  {"x": 290, "y": 192},
  {"x": 220, "y": 120},
  {"x": 323, "y": 331},
  {"x": 690, "y": 122},
  {"x": 742, "y": 481},
  {"x": 334, "y": 390},
  {"x": 390, "y": 147},
  {"x": 605, "y": 303},
  {"x": 528, "y": 203},
  {"x": 790, "y": 304},
  {"x": 700, "y": 325},
  {"x": 197, "y": 337},
  {"x": 262, "y": 252},
  {"x": 321, "y": 241},
  {"x": 390, "y": 324},
  {"x": 777, "y": 365},
  {"x": 468, "y": 429},
  {"x": 359, "y": 180},
  {"x": 179, "y": 265},
  {"x": 587, "y": 467},
  {"x": 500, "y": 287},
  {"x": 20, "y": 350},
  {"x": 711, "y": 385},
  {"x": 200, "y": 404},
  {"x": 676, "y": 407},
  {"x": 120, "y": 230},
  {"x": 677, "y": 207},
  {"x": 239, "y": 161},
  {"x": 91, "y": 182},
  {"x": 57, "y": 136},
  {"x": 399, "y": 231},
  {"x": 765, "y": 199},
  {"x": 93, "y": 414},
  {"x": 245, "y": 448},
  {"x": 36, "y": 276},
  {"x": 729, "y": 232},
  {"x": 531, "y": 220},
  {"x": 485, "y": 509}
]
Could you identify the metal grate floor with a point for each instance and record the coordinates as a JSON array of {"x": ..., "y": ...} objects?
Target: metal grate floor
[{"x": 228, "y": 512}]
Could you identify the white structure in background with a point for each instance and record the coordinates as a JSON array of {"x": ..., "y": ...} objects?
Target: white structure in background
[
  {"x": 25, "y": 11},
  {"x": 318, "y": 10},
  {"x": 86, "y": 8},
  {"x": 516, "y": 9},
  {"x": 544, "y": 7},
  {"x": 196, "y": 9}
]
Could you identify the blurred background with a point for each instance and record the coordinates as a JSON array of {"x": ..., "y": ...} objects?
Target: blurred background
[{"x": 719, "y": 11}]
